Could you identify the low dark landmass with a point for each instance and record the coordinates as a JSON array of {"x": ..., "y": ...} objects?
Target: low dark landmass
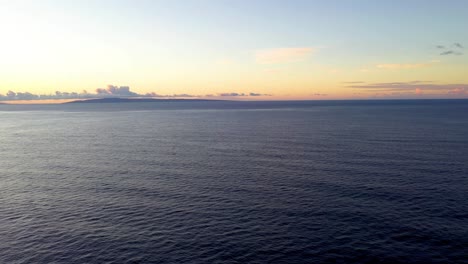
[{"x": 136, "y": 100}]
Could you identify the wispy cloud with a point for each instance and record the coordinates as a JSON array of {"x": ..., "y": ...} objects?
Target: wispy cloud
[
  {"x": 458, "y": 91},
  {"x": 233, "y": 94},
  {"x": 418, "y": 87},
  {"x": 451, "y": 52},
  {"x": 283, "y": 55},
  {"x": 456, "y": 47},
  {"x": 412, "y": 89},
  {"x": 155, "y": 95}
]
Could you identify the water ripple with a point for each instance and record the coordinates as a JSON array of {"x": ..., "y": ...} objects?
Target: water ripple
[{"x": 348, "y": 184}]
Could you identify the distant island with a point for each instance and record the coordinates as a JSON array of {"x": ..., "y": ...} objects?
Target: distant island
[{"x": 135, "y": 100}]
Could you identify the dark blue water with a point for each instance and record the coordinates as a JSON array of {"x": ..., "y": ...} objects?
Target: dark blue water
[{"x": 235, "y": 182}]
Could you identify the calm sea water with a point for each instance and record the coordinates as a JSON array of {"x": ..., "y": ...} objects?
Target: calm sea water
[{"x": 235, "y": 182}]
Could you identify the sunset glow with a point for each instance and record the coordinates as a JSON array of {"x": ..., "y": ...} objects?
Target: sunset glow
[{"x": 246, "y": 50}]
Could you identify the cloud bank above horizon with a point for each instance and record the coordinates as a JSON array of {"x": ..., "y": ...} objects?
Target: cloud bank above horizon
[{"x": 113, "y": 91}]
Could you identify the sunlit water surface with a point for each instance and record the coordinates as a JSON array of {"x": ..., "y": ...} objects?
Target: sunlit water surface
[{"x": 227, "y": 182}]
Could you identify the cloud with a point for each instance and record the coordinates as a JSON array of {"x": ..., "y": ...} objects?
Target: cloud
[
  {"x": 413, "y": 89},
  {"x": 117, "y": 91},
  {"x": 21, "y": 96},
  {"x": 283, "y": 55},
  {"x": 183, "y": 95},
  {"x": 398, "y": 66},
  {"x": 458, "y": 45},
  {"x": 113, "y": 92},
  {"x": 242, "y": 94},
  {"x": 231, "y": 94},
  {"x": 418, "y": 87},
  {"x": 12, "y": 96},
  {"x": 451, "y": 52},
  {"x": 110, "y": 91},
  {"x": 153, "y": 94},
  {"x": 459, "y": 91},
  {"x": 259, "y": 94}
]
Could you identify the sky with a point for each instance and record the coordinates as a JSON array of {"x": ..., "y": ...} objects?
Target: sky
[{"x": 243, "y": 49}]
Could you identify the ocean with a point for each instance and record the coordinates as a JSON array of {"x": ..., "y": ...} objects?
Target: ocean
[{"x": 235, "y": 182}]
